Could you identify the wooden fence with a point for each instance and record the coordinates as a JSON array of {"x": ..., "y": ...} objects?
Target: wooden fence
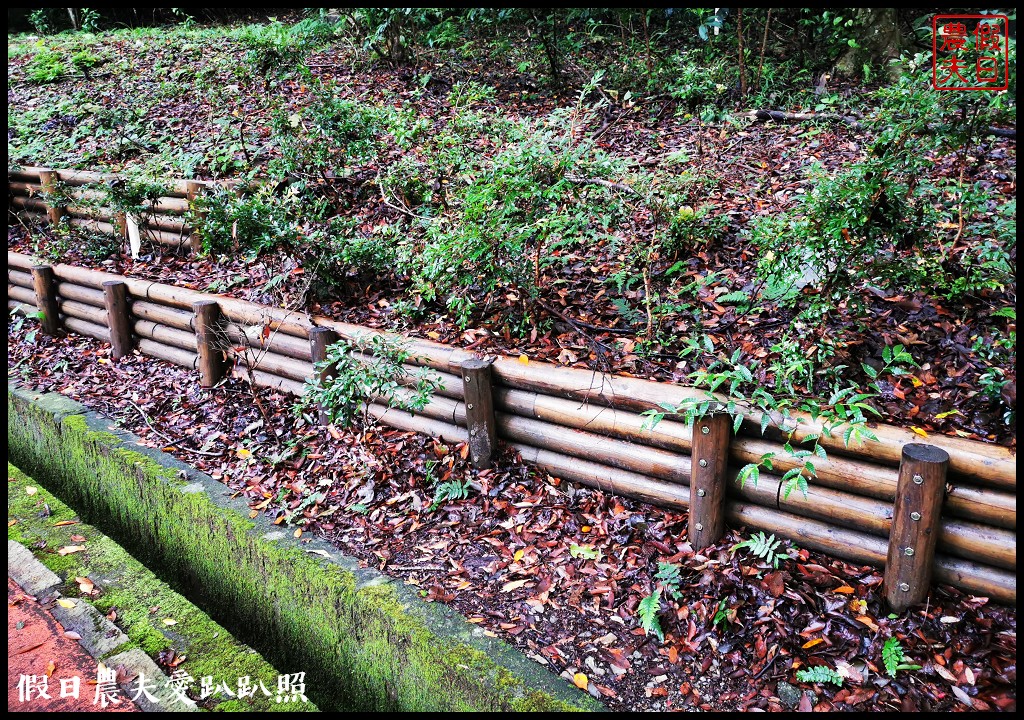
[{"x": 942, "y": 511}]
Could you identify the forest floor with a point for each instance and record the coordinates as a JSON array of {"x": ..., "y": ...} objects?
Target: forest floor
[{"x": 555, "y": 569}]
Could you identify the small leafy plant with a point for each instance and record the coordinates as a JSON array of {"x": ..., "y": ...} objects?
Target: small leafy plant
[
  {"x": 819, "y": 674},
  {"x": 362, "y": 371},
  {"x": 895, "y": 658},
  {"x": 449, "y": 490},
  {"x": 668, "y": 583},
  {"x": 765, "y": 547}
]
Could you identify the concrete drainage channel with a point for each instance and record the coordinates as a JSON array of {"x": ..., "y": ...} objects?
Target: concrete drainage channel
[
  {"x": 124, "y": 616},
  {"x": 365, "y": 642}
]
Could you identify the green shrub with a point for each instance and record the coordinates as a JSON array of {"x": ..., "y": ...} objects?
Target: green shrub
[
  {"x": 326, "y": 138},
  {"x": 488, "y": 224},
  {"x": 881, "y": 222},
  {"x": 275, "y": 47},
  {"x": 255, "y": 222},
  {"x": 362, "y": 371},
  {"x": 46, "y": 66}
]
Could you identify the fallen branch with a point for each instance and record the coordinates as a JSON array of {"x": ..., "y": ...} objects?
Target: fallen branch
[
  {"x": 404, "y": 210},
  {"x": 603, "y": 183},
  {"x": 580, "y": 324},
  {"x": 1003, "y": 132},
  {"x": 782, "y": 116},
  {"x": 170, "y": 441}
]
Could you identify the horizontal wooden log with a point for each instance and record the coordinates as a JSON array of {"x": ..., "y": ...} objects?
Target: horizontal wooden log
[
  {"x": 20, "y": 278},
  {"x": 177, "y": 356},
  {"x": 71, "y": 308},
  {"x": 161, "y": 237},
  {"x": 957, "y": 537},
  {"x": 165, "y": 335},
  {"x": 265, "y": 379},
  {"x": 607, "y": 479},
  {"x": 84, "y": 327},
  {"x": 23, "y": 295},
  {"x": 176, "y": 187},
  {"x": 598, "y": 419},
  {"x": 177, "y": 319},
  {"x": 274, "y": 364},
  {"x": 978, "y": 543},
  {"x": 29, "y": 203},
  {"x": 976, "y": 579},
  {"x": 160, "y": 206},
  {"x": 93, "y": 225},
  {"x": 272, "y": 341},
  {"x": 30, "y": 189},
  {"x": 89, "y": 296},
  {"x": 167, "y": 223},
  {"x": 658, "y": 464},
  {"x": 982, "y": 505},
  {"x": 89, "y": 212},
  {"x": 24, "y": 174},
  {"x": 403, "y": 420},
  {"x": 871, "y": 550},
  {"x": 168, "y": 206},
  {"x": 29, "y": 215}
]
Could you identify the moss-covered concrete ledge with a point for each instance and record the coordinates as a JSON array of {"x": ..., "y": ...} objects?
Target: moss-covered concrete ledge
[
  {"x": 37, "y": 519},
  {"x": 366, "y": 642}
]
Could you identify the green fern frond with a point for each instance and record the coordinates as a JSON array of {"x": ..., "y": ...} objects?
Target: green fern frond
[
  {"x": 765, "y": 547},
  {"x": 819, "y": 674},
  {"x": 895, "y": 657},
  {"x": 647, "y": 611},
  {"x": 669, "y": 577}
]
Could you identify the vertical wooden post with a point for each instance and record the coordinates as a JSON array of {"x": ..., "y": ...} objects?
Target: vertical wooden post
[
  {"x": 476, "y": 384},
  {"x": 115, "y": 297},
  {"x": 209, "y": 339},
  {"x": 193, "y": 189},
  {"x": 48, "y": 181},
  {"x": 45, "y": 285},
  {"x": 709, "y": 463},
  {"x": 915, "y": 524},
  {"x": 319, "y": 339}
]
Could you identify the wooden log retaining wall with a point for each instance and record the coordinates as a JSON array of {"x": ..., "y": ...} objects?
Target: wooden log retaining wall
[
  {"x": 162, "y": 222},
  {"x": 586, "y": 427}
]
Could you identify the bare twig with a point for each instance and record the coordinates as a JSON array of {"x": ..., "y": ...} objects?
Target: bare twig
[
  {"x": 170, "y": 441},
  {"x": 603, "y": 183},
  {"x": 782, "y": 116},
  {"x": 399, "y": 208},
  {"x": 580, "y": 324}
]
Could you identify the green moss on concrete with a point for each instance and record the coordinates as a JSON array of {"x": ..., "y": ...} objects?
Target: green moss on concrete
[
  {"x": 127, "y": 587},
  {"x": 365, "y": 642}
]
